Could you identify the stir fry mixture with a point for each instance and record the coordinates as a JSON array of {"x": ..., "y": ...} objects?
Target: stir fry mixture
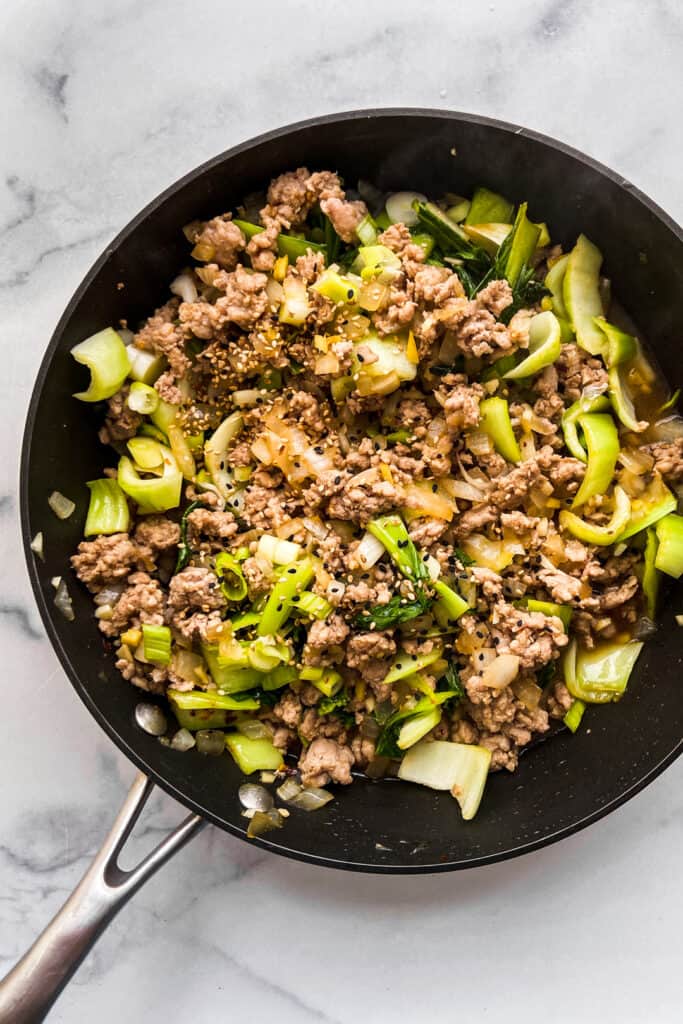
[{"x": 394, "y": 491}]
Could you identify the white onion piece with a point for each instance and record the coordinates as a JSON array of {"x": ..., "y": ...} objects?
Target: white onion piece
[
  {"x": 461, "y": 489},
  {"x": 63, "y": 602},
  {"x": 433, "y": 567},
  {"x": 369, "y": 551},
  {"x": 276, "y": 551},
  {"x": 62, "y": 506},
  {"x": 501, "y": 671},
  {"x": 400, "y": 210},
  {"x": 151, "y": 719},
  {"x": 184, "y": 287},
  {"x": 289, "y": 789},
  {"x": 253, "y": 729},
  {"x": 311, "y": 799},
  {"x": 668, "y": 429},
  {"x": 210, "y": 741},
  {"x": 183, "y": 740},
  {"x": 37, "y": 546}
]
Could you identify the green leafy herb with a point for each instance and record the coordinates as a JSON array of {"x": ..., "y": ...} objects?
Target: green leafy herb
[
  {"x": 333, "y": 242},
  {"x": 451, "y": 682},
  {"x": 184, "y": 549},
  {"x": 463, "y": 557},
  {"x": 546, "y": 675},
  {"x": 394, "y": 612}
]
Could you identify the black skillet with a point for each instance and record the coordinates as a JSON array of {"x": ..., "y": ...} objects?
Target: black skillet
[{"x": 562, "y": 785}]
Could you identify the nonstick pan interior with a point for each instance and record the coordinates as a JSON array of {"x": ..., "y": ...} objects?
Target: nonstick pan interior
[{"x": 563, "y": 783}]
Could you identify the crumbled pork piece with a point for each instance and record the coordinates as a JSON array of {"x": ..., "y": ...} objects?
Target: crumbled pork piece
[
  {"x": 326, "y": 761},
  {"x": 142, "y": 601},
  {"x": 210, "y": 528},
  {"x": 195, "y": 601},
  {"x": 562, "y": 588},
  {"x": 576, "y": 370},
  {"x": 461, "y": 405},
  {"x": 668, "y": 456},
  {"x": 559, "y": 701},
  {"x": 324, "y": 641},
  {"x": 495, "y": 296},
  {"x": 472, "y": 521},
  {"x": 259, "y": 576},
  {"x": 245, "y": 299},
  {"x": 425, "y": 532},
  {"x": 535, "y": 638},
  {"x": 512, "y": 489},
  {"x": 399, "y": 239},
  {"x": 370, "y": 654},
  {"x": 107, "y": 560},
  {"x": 221, "y": 241},
  {"x": 161, "y": 335},
  {"x": 345, "y": 215},
  {"x": 362, "y": 500},
  {"x": 121, "y": 422},
  {"x": 613, "y": 597},
  {"x": 157, "y": 533}
]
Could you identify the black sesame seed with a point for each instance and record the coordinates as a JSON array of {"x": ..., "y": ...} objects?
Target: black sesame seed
[
  {"x": 435, "y": 488},
  {"x": 359, "y": 357},
  {"x": 337, "y": 479},
  {"x": 291, "y": 570},
  {"x": 350, "y": 293},
  {"x": 318, "y": 450}
]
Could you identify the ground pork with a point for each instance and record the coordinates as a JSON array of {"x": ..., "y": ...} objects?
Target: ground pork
[
  {"x": 345, "y": 215},
  {"x": 425, "y": 532},
  {"x": 576, "y": 370},
  {"x": 461, "y": 405},
  {"x": 472, "y": 521},
  {"x": 121, "y": 422},
  {"x": 244, "y": 300},
  {"x": 564, "y": 472},
  {"x": 559, "y": 700},
  {"x": 399, "y": 239},
  {"x": 562, "y": 588},
  {"x": 259, "y": 576},
  {"x": 161, "y": 334},
  {"x": 195, "y": 601},
  {"x": 142, "y": 601},
  {"x": 107, "y": 560},
  {"x": 219, "y": 240},
  {"x": 495, "y": 296},
  {"x": 535, "y": 638},
  {"x": 668, "y": 456},
  {"x": 612, "y": 597},
  {"x": 503, "y": 723},
  {"x": 362, "y": 500},
  {"x": 210, "y": 528},
  {"x": 326, "y": 761},
  {"x": 324, "y": 641},
  {"x": 157, "y": 533},
  {"x": 512, "y": 489},
  {"x": 370, "y": 654},
  {"x": 263, "y": 509}
]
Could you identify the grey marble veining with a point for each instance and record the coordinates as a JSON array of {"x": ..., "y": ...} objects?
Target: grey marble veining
[{"x": 104, "y": 105}]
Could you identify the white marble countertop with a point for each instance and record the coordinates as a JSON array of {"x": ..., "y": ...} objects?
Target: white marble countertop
[{"x": 104, "y": 105}]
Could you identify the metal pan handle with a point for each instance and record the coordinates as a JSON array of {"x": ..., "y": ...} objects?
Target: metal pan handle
[{"x": 32, "y": 986}]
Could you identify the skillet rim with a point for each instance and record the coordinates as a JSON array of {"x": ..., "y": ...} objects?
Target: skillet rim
[{"x": 48, "y": 613}]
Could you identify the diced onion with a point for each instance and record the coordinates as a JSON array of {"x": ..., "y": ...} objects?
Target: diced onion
[
  {"x": 433, "y": 567},
  {"x": 275, "y": 292},
  {"x": 276, "y": 551},
  {"x": 184, "y": 287},
  {"x": 183, "y": 740},
  {"x": 63, "y": 602},
  {"x": 37, "y": 546},
  {"x": 289, "y": 789},
  {"x": 62, "y": 506},
  {"x": 461, "y": 489},
  {"x": 479, "y": 443},
  {"x": 326, "y": 364},
  {"x": 636, "y": 462},
  {"x": 400, "y": 210},
  {"x": 369, "y": 551},
  {"x": 311, "y": 799},
  {"x": 501, "y": 671},
  {"x": 253, "y": 729},
  {"x": 210, "y": 741}
]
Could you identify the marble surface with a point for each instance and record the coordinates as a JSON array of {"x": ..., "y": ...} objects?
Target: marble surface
[{"x": 104, "y": 105}]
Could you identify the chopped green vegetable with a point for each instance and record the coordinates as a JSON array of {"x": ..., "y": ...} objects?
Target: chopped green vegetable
[
  {"x": 294, "y": 579},
  {"x": 515, "y": 254},
  {"x": 651, "y": 577},
  {"x": 253, "y": 755},
  {"x": 328, "y": 705},
  {"x": 407, "y": 664},
  {"x": 570, "y": 419},
  {"x": 581, "y": 291},
  {"x": 488, "y": 206},
  {"x": 602, "y": 443},
  {"x": 229, "y": 572},
  {"x": 460, "y": 768},
  {"x": 609, "y": 533},
  {"x": 338, "y": 289},
  {"x": 573, "y": 717},
  {"x": 450, "y": 604},
  {"x": 229, "y": 679},
  {"x": 156, "y": 643},
  {"x": 669, "y": 556},
  {"x": 396, "y": 611},
  {"x": 108, "y": 509},
  {"x": 601, "y": 674},
  {"x": 648, "y": 508},
  {"x": 184, "y": 549},
  {"x": 391, "y": 532},
  {"x": 495, "y": 421},
  {"x": 544, "y": 346},
  {"x": 554, "y": 282},
  {"x": 106, "y": 357},
  {"x": 153, "y": 494},
  {"x": 312, "y": 604}
]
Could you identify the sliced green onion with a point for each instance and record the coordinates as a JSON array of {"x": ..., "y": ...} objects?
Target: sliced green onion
[
  {"x": 327, "y": 680},
  {"x": 230, "y": 679},
  {"x": 156, "y": 643},
  {"x": 554, "y": 282},
  {"x": 142, "y": 398},
  {"x": 570, "y": 417},
  {"x": 452, "y": 605},
  {"x": 669, "y": 557},
  {"x": 367, "y": 231},
  {"x": 313, "y": 604},
  {"x": 144, "y": 366},
  {"x": 406, "y": 665},
  {"x": 400, "y": 207},
  {"x": 108, "y": 509},
  {"x": 602, "y": 443},
  {"x": 581, "y": 292},
  {"x": 277, "y": 551},
  {"x": 495, "y": 421},
  {"x": 392, "y": 533},
  {"x": 338, "y": 289},
  {"x": 266, "y": 653},
  {"x": 229, "y": 572},
  {"x": 590, "y": 533},
  {"x": 106, "y": 357},
  {"x": 293, "y": 580},
  {"x": 488, "y": 206}
]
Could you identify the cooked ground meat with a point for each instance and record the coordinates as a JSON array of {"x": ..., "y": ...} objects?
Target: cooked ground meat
[{"x": 358, "y": 493}]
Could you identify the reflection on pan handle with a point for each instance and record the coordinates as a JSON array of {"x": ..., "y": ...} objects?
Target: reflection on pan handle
[{"x": 31, "y": 987}]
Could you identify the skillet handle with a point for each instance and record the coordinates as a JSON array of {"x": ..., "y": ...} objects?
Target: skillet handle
[{"x": 32, "y": 986}]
